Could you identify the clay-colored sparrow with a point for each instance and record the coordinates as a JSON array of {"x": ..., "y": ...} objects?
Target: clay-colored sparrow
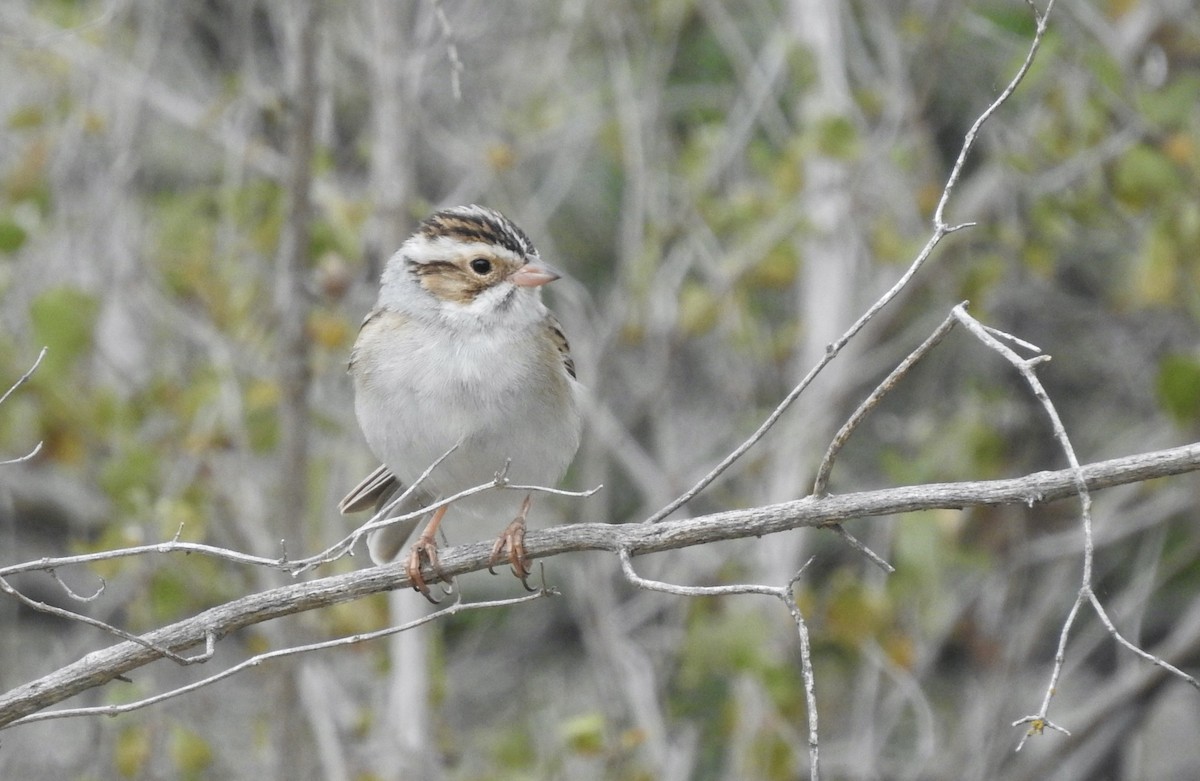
[{"x": 460, "y": 352}]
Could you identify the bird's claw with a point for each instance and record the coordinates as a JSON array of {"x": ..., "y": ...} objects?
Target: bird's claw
[
  {"x": 424, "y": 551},
  {"x": 512, "y": 539}
]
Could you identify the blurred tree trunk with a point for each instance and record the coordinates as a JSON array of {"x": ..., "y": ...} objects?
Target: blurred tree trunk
[
  {"x": 403, "y": 744},
  {"x": 826, "y": 287},
  {"x": 295, "y": 759}
]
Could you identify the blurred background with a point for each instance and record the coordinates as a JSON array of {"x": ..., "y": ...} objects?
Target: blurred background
[{"x": 196, "y": 198}]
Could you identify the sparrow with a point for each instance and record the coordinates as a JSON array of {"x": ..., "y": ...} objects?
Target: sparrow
[{"x": 461, "y": 356}]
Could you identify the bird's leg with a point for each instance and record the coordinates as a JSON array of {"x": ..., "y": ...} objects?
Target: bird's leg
[
  {"x": 513, "y": 538},
  {"x": 424, "y": 550}
]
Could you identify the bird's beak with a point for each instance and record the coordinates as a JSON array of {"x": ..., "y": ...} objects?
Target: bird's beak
[{"x": 534, "y": 275}]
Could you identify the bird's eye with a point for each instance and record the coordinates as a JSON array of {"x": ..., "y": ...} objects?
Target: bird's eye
[{"x": 481, "y": 266}]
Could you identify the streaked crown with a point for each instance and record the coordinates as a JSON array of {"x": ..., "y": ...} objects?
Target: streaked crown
[{"x": 477, "y": 224}]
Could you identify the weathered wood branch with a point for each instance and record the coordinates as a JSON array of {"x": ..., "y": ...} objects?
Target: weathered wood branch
[{"x": 100, "y": 667}]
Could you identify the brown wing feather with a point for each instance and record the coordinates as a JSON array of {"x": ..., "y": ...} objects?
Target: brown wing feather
[
  {"x": 366, "y": 495},
  {"x": 560, "y": 342}
]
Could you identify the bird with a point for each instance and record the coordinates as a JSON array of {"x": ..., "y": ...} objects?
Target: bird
[{"x": 460, "y": 356}]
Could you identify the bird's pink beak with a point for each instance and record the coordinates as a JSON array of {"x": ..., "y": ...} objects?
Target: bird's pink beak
[{"x": 534, "y": 275}]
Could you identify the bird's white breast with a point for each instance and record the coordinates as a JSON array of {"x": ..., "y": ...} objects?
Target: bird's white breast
[{"x": 422, "y": 388}]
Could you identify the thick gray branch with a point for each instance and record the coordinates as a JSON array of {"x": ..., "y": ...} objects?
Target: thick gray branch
[{"x": 100, "y": 667}]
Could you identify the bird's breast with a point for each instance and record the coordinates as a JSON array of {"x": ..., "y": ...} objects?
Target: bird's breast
[{"x": 418, "y": 394}]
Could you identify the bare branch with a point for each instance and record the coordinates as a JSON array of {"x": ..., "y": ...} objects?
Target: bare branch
[
  {"x": 99, "y": 667},
  {"x": 861, "y": 547},
  {"x": 173, "y": 546},
  {"x": 821, "y": 485},
  {"x": 24, "y": 378},
  {"x": 1040, "y": 721},
  {"x": 381, "y": 519},
  {"x": 22, "y": 459},
  {"x": 1149, "y": 657},
  {"x": 1026, "y": 367},
  {"x": 972, "y": 134},
  {"x": 783, "y": 594},
  {"x": 258, "y": 659},
  {"x": 79, "y": 597},
  {"x": 21, "y": 381}
]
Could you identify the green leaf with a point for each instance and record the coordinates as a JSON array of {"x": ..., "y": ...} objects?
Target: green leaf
[
  {"x": 191, "y": 753},
  {"x": 63, "y": 320},
  {"x": 26, "y": 117},
  {"x": 131, "y": 751},
  {"x": 585, "y": 733},
  {"x": 12, "y": 236},
  {"x": 1174, "y": 105},
  {"x": 1179, "y": 387},
  {"x": 837, "y": 137},
  {"x": 131, "y": 473},
  {"x": 1145, "y": 176}
]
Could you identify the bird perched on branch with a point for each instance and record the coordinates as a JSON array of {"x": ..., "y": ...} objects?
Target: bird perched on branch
[{"x": 460, "y": 355}]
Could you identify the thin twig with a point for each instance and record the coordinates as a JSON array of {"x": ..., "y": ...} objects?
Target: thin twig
[
  {"x": 381, "y": 519},
  {"x": 79, "y": 597},
  {"x": 22, "y": 459},
  {"x": 862, "y": 548},
  {"x": 1040, "y": 721},
  {"x": 1149, "y": 657},
  {"x": 784, "y": 594},
  {"x": 821, "y": 484},
  {"x": 70, "y": 615},
  {"x": 173, "y": 546},
  {"x": 24, "y": 377},
  {"x": 21, "y": 381},
  {"x": 972, "y": 134}
]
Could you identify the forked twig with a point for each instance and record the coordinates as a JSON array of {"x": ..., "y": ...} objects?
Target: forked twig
[
  {"x": 784, "y": 594},
  {"x": 1040, "y": 721},
  {"x": 821, "y": 484}
]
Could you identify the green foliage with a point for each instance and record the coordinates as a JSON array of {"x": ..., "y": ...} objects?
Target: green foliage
[
  {"x": 63, "y": 319},
  {"x": 1179, "y": 387},
  {"x": 1176, "y": 105},
  {"x": 27, "y": 117},
  {"x": 12, "y": 235},
  {"x": 585, "y": 733},
  {"x": 130, "y": 474},
  {"x": 837, "y": 137},
  {"x": 190, "y": 752},
  {"x": 132, "y": 751},
  {"x": 1144, "y": 178}
]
